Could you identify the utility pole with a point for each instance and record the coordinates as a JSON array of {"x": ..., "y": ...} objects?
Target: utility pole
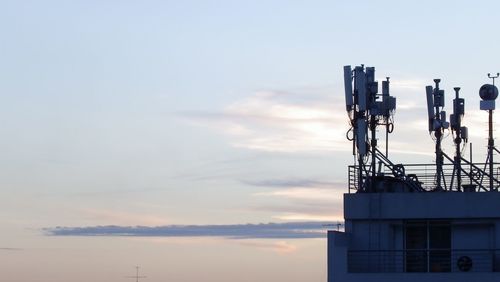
[{"x": 137, "y": 276}]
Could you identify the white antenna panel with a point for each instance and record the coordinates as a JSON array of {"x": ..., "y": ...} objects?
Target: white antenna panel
[
  {"x": 361, "y": 88},
  {"x": 430, "y": 106},
  {"x": 348, "y": 87}
]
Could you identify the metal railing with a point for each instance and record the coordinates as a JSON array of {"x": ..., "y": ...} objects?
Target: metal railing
[
  {"x": 438, "y": 260},
  {"x": 426, "y": 175}
]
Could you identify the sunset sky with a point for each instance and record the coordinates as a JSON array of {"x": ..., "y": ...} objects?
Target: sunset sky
[{"x": 227, "y": 115}]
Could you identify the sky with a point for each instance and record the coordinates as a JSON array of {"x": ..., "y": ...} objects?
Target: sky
[{"x": 205, "y": 140}]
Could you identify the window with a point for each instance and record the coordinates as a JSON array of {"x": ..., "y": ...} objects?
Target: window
[{"x": 427, "y": 246}]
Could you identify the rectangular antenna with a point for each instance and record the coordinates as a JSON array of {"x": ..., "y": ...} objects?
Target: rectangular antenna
[
  {"x": 439, "y": 98},
  {"x": 453, "y": 122},
  {"x": 444, "y": 123},
  {"x": 370, "y": 75},
  {"x": 430, "y": 107},
  {"x": 348, "y": 88},
  {"x": 464, "y": 133},
  {"x": 385, "y": 88},
  {"x": 459, "y": 105},
  {"x": 361, "y": 136},
  {"x": 360, "y": 87}
]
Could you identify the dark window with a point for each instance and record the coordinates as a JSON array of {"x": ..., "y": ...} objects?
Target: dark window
[
  {"x": 416, "y": 246},
  {"x": 428, "y": 246},
  {"x": 439, "y": 246}
]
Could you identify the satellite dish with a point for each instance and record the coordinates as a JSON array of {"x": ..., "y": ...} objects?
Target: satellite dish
[{"x": 488, "y": 92}]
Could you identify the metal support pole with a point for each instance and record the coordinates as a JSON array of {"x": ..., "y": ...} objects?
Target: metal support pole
[
  {"x": 470, "y": 165},
  {"x": 438, "y": 134},
  {"x": 373, "y": 144},
  {"x": 491, "y": 145},
  {"x": 458, "y": 140},
  {"x": 491, "y": 142}
]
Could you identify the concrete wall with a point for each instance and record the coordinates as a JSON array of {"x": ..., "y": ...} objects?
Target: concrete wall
[
  {"x": 422, "y": 205},
  {"x": 337, "y": 255},
  {"x": 376, "y": 235}
]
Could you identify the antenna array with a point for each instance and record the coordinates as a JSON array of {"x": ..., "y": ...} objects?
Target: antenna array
[
  {"x": 367, "y": 109},
  {"x": 438, "y": 123}
]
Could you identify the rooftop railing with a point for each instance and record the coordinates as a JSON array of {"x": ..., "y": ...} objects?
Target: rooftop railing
[
  {"x": 425, "y": 174},
  {"x": 439, "y": 260}
]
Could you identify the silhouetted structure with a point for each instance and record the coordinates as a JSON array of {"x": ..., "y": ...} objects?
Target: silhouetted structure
[{"x": 415, "y": 222}]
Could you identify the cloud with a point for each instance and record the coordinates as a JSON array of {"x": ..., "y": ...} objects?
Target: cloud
[
  {"x": 10, "y": 249},
  {"x": 294, "y": 216},
  {"x": 279, "y": 247},
  {"x": 319, "y": 194},
  {"x": 291, "y": 122},
  {"x": 121, "y": 217},
  {"x": 289, "y": 230},
  {"x": 306, "y": 199},
  {"x": 416, "y": 85},
  {"x": 307, "y": 119},
  {"x": 280, "y": 122},
  {"x": 294, "y": 182}
]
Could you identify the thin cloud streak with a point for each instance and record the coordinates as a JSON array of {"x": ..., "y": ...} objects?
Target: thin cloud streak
[
  {"x": 10, "y": 249},
  {"x": 301, "y": 216},
  {"x": 289, "y": 230},
  {"x": 308, "y": 199},
  {"x": 122, "y": 217},
  {"x": 271, "y": 121},
  {"x": 285, "y": 183},
  {"x": 276, "y": 122},
  {"x": 318, "y": 194},
  {"x": 281, "y": 247},
  {"x": 416, "y": 85}
]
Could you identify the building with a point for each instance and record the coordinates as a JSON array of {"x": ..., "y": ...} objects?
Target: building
[{"x": 415, "y": 222}]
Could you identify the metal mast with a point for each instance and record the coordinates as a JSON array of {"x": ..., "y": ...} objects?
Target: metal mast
[
  {"x": 488, "y": 94},
  {"x": 461, "y": 134},
  {"x": 437, "y": 124}
]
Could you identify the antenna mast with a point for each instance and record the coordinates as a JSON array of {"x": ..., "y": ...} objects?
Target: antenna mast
[
  {"x": 437, "y": 124},
  {"x": 137, "y": 277},
  {"x": 488, "y": 94},
  {"x": 461, "y": 134},
  {"x": 367, "y": 109}
]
